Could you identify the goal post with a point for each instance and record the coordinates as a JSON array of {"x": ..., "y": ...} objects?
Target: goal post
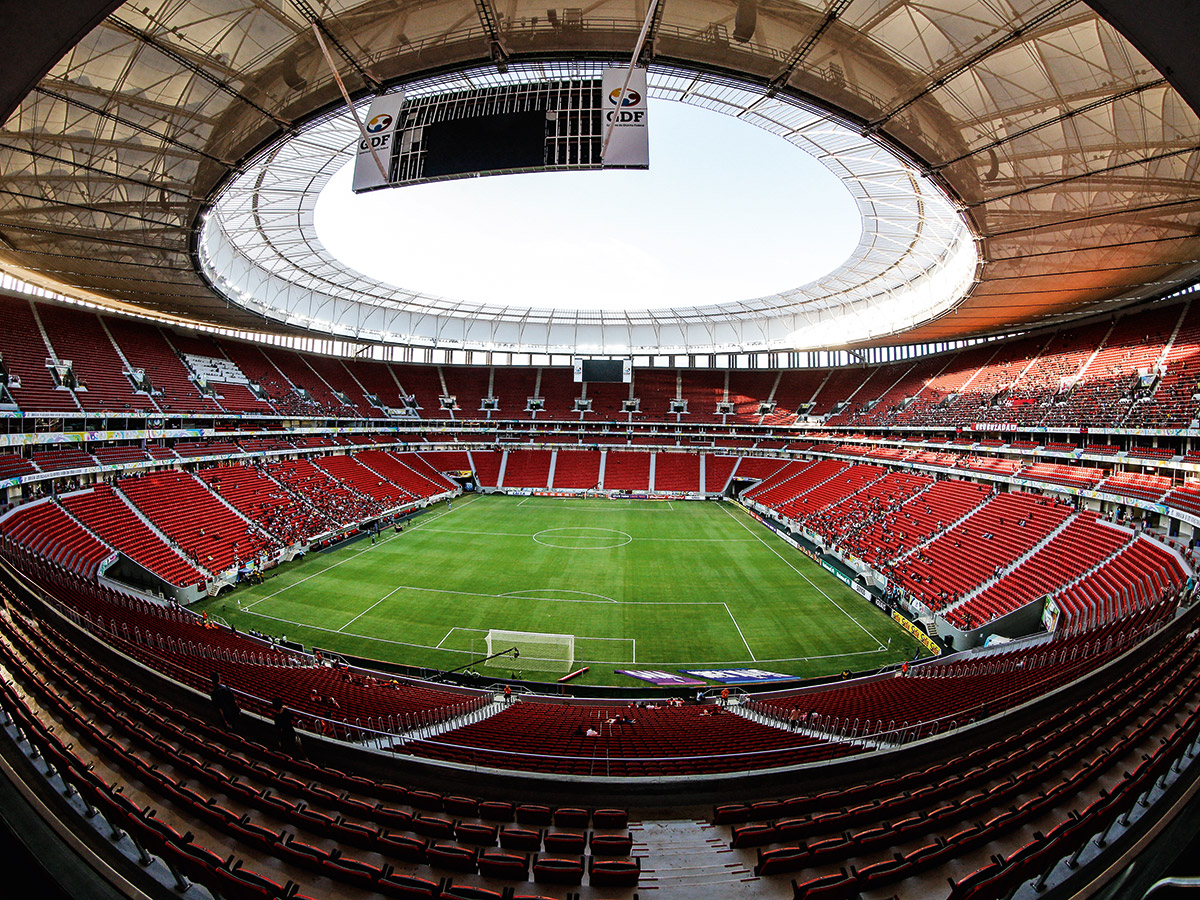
[{"x": 539, "y": 652}]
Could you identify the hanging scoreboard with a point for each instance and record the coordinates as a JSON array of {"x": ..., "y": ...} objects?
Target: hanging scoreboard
[{"x": 557, "y": 125}]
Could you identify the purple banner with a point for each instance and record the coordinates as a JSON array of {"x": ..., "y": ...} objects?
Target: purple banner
[
  {"x": 659, "y": 677},
  {"x": 738, "y": 676}
]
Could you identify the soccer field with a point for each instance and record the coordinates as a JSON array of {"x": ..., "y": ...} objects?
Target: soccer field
[{"x": 640, "y": 584}]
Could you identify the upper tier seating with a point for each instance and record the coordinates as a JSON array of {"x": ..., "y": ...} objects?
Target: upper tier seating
[
  {"x": 146, "y": 348},
  {"x": 25, "y": 354},
  {"x": 78, "y": 336}
]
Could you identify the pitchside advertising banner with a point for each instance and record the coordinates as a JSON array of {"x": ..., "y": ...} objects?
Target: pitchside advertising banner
[
  {"x": 382, "y": 118},
  {"x": 660, "y": 677},
  {"x": 738, "y": 676},
  {"x": 630, "y": 143}
]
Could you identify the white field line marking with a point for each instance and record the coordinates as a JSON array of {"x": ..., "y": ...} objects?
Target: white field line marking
[
  {"x": 691, "y": 662},
  {"x": 739, "y": 631},
  {"x": 454, "y": 629},
  {"x": 348, "y": 558},
  {"x": 556, "y": 590},
  {"x": 805, "y": 577},
  {"x": 666, "y": 540},
  {"x": 367, "y": 610}
]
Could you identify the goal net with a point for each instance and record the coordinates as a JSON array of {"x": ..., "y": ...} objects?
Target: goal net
[{"x": 538, "y": 652}]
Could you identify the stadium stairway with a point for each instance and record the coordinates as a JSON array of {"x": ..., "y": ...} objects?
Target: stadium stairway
[
  {"x": 937, "y": 534},
  {"x": 1010, "y": 567},
  {"x": 158, "y": 532}
]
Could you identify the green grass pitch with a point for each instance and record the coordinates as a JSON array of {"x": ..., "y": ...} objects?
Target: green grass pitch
[{"x": 641, "y": 584}]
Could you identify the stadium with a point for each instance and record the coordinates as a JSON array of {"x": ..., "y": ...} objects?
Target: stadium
[{"x": 875, "y": 581}]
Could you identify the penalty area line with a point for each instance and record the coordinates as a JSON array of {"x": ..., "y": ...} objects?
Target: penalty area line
[{"x": 739, "y": 631}]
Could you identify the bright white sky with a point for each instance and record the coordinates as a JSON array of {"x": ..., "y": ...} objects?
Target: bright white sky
[{"x": 726, "y": 212}]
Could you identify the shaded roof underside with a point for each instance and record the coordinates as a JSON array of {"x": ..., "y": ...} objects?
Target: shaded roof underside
[{"x": 1075, "y": 159}]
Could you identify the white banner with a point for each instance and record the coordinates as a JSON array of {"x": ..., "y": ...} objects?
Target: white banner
[
  {"x": 630, "y": 143},
  {"x": 381, "y": 123}
]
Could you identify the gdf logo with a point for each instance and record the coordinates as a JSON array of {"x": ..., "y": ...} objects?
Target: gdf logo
[
  {"x": 379, "y": 123},
  {"x": 625, "y": 116},
  {"x": 631, "y": 98}
]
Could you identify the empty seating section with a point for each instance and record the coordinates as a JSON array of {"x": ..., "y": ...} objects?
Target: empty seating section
[
  {"x": 962, "y": 558},
  {"x": 363, "y": 480},
  {"x": 468, "y": 385},
  {"x": 55, "y": 460},
  {"x": 258, "y": 497},
  {"x": 677, "y": 472},
  {"x": 398, "y": 471},
  {"x": 145, "y": 348},
  {"x": 1134, "y": 484},
  {"x": 528, "y": 468},
  {"x": 487, "y": 466},
  {"x": 1132, "y": 580},
  {"x": 779, "y": 483},
  {"x": 13, "y": 465},
  {"x": 513, "y": 387},
  {"x": 376, "y": 379},
  {"x": 1083, "y": 544},
  {"x": 428, "y": 482},
  {"x": 45, "y": 531},
  {"x": 656, "y": 388},
  {"x": 108, "y": 516},
  {"x": 1072, "y": 476},
  {"x": 446, "y": 460},
  {"x": 717, "y": 471},
  {"x": 25, "y": 354},
  {"x": 578, "y": 469},
  {"x": 424, "y": 384},
  {"x": 608, "y": 400},
  {"x": 747, "y": 389},
  {"x": 192, "y": 516},
  {"x": 111, "y": 456},
  {"x": 194, "y": 449},
  {"x": 626, "y": 470},
  {"x": 334, "y": 374},
  {"x": 663, "y": 741},
  {"x": 78, "y": 336},
  {"x": 958, "y": 692}
]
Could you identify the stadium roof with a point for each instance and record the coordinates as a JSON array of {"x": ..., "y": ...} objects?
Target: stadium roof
[{"x": 1073, "y": 155}]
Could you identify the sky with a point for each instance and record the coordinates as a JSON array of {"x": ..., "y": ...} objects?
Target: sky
[{"x": 726, "y": 212}]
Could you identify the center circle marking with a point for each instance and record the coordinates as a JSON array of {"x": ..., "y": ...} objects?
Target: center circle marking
[{"x": 582, "y": 538}]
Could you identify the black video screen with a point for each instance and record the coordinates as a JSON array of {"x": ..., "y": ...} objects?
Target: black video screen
[
  {"x": 603, "y": 370},
  {"x": 485, "y": 143}
]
